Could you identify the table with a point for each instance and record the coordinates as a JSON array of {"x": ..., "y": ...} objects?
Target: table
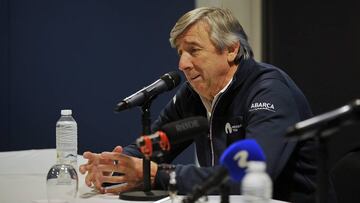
[{"x": 23, "y": 180}]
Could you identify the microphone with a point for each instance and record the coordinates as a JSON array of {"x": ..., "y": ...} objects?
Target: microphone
[
  {"x": 166, "y": 83},
  {"x": 173, "y": 133},
  {"x": 233, "y": 163},
  {"x": 326, "y": 123}
]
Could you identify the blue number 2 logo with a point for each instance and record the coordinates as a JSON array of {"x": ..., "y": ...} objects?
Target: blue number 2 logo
[{"x": 241, "y": 158}]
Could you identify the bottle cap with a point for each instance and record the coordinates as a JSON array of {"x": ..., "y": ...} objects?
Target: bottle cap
[
  {"x": 66, "y": 112},
  {"x": 256, "y": 166}
]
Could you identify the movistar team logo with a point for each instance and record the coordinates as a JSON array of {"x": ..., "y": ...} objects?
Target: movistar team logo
[{"x": 262, "y": 106}]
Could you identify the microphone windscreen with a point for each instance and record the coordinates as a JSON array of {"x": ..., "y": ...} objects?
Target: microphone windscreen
[
  {"x": 185, "y": 129},
  {"x": 237, "y": 155},
  {"x": 171, "y": 79}
]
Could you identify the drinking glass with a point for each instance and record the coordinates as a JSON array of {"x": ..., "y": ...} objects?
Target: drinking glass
[{"x": 62, "y": 184}]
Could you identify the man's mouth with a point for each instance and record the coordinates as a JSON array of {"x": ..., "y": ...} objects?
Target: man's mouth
[{"x": 195, "y": 77}]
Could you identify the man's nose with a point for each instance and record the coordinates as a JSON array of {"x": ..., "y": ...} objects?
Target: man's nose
[{"x": 185, "y": 62}]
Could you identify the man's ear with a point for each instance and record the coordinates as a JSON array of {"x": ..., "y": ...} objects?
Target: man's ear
[{"x": 232, "y": 52}]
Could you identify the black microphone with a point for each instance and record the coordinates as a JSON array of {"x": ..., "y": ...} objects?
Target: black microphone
[
  {"x": 166, "y": 82},
  {"x": 327, "y": 123},
  {"x": 173, "y": 133}
]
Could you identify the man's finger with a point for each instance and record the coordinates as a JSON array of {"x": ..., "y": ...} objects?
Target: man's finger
[
  {"x": 111, "y": 167},
  {"x": 89, "y": 155},
  {"x": 123, "y": 187},
  {"x": 122, "y": 158},
  {"x": 89, "y": 179},
  {"x": 110, "y": 155},
  {"x": 82, "y": 168},
  {"x": 98, "y": 181},
  {"x": 118, "y": 149},
  {"x": 113, "y": 179}
]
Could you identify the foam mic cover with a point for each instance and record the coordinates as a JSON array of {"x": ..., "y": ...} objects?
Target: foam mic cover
[
  {"x": 233, "y": 163},
  {"x": 185, "y": 129},
  {"x": 237, "y": 155}
]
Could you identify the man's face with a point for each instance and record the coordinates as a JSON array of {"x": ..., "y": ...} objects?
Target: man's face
[{"x": 204, "y": 66}]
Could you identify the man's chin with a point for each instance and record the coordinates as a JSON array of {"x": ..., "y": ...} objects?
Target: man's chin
[{"x": 200, "y": 90}]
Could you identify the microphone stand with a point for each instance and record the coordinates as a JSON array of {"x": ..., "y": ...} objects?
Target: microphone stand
[
  {"x": 147, "y": 194},
  {"x": 201, "y": 190},
  {"x": 224, "y": 193},
  {"x": 146, "y": 130},
  {"x": 323, "y": 172}
]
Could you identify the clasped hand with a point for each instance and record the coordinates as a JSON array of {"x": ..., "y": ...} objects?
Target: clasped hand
[{"x": 99, "y": 169}]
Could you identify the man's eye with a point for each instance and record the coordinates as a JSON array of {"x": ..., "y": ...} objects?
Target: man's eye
[{"x": 194, "y": 50}]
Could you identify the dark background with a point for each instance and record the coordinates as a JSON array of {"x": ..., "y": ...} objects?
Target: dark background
[
  {"x": 82, "y": 55},
  {"x": 87, "y": 55},
  {"x": 318, "y": 45}
]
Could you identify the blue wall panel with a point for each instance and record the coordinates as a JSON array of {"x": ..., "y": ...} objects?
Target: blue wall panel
[
  {"x": 4, "y": 75},
  {"x": 83, "y": 55}
]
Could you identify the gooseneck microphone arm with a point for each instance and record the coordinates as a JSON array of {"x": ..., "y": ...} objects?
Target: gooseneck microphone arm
[{"x": 326, "y": 124}]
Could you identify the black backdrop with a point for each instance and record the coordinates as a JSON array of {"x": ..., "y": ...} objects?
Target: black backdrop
[
  {"x": 318, "y": 44},
  {"x": 82, "y": 55}
]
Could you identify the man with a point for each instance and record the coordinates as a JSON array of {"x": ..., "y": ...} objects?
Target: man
[{"x": 241, "y": 98}]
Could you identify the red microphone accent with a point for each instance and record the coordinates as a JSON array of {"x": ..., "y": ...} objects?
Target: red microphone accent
[
  {"x": 147, "y": 148},
  {"x": 164, "y": 141}
]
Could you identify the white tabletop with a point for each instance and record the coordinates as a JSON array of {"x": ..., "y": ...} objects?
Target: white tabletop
[{"x": 23, "y": 179}]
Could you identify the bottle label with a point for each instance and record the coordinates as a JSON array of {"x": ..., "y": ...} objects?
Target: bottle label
[{"x": 66, "y": 143}]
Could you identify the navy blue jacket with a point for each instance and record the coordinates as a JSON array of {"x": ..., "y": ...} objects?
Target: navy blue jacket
[{"x": 261, "y": 102}]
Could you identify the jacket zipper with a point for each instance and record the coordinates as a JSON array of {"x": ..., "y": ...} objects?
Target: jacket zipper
[
  {"x": 210, "y": 136},
  {"x": 211, "y": 119}
]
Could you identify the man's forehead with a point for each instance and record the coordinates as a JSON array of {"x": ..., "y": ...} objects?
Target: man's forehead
[
  {"x": 187, "y": 41},
  {"x": 193, "y": 34}
]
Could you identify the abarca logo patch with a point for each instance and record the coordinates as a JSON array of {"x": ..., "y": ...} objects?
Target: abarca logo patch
[{"x": 262, "y": 106}]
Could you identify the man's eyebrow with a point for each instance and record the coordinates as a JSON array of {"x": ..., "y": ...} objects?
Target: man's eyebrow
[
  {"x": 189, "y": 43},
  {"x": 194, "y": 43}
]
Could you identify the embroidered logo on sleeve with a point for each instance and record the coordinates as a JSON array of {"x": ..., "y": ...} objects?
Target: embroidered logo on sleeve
[{"x": 262, "y": 106}]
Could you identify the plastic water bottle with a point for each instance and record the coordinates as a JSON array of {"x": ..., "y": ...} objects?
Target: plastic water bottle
[
  {"x": 256, "y": 185},
  {"x": 66, "y": 139},
  {"x": 172, "y": 186}
]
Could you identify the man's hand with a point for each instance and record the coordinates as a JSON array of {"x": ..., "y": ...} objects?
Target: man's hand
[
  {"x": 91, "y": 167},
  {"x": 131, "y": 167},
  {"x": 100, "y": 168}
]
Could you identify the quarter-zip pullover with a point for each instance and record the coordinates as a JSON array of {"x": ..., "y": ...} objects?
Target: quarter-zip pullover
[{"x": 261, "y": 102}]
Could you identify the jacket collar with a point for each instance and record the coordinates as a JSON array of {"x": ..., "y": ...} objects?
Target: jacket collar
[{"x": 245, "y": 68}]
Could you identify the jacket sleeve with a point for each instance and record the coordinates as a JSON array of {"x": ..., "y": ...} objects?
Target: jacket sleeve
[{"x": 272, "y": 109}]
